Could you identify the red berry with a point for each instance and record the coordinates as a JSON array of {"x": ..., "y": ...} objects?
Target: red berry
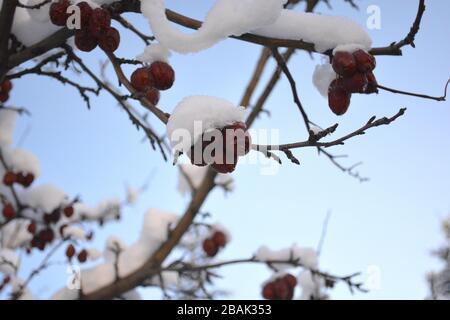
[
  {"x": 365, "y": 61},
  {"x": 357, "y": 83},
  {"x": 344, "y": 63},
  {"x": 85, "y": 41},
  {"x": 338, "y": 99},
  {"x": 237, "y": 135},
  {"x": 6, "y": 86},
  {"x": 9, "y": 178},
  {"x": 282, "y": 291},
  {"x": 109, "y": 40},
  {"x": 58, "y": 12},
  {"x": 61, "y": 229},
  {"x": 219, "y": 238},
  {"x": 8, "y": 211},
  {"x": 55, "y": 216},
  {"x": 82, "y": 256},
  {"x": 290, "y": 280},
  {"x": 68, "y": 211},
  {"x": 153, "y": 95},
  {"x": 210, "y": 247},
  {"x": 163, "y": 75},
  {"x": 223, "y": 167},
  {"x": 85, "y": 13},
  {"x": 372, "y": 85},
  {"x": 100, "y": 22},
  {"x": 141, "y": 79},
  {"x": 70, "y": 251},
  {"x": 268, "y": 291},
  {"x": 47, "y": 235},
  {"x": 6, "y": 279},
  {"x": 25, "y": 179},
  {"x": 4, "y": 96},
  {"x": 32, "y": 227}
]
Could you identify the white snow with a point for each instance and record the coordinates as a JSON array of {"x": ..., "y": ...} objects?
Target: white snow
[
  {"x": 46, "y": 197},
  {"x": 9, "y": 261},
  {"x": 306, "y": 256},
  {"x": 197, "y": 114},
  {"x": 74, "y": 232},
  {"x": 15, "y": 234},
  {"x": 20, "y": 160},
  {"x": 322, "y": 77},
  {"x": 133, "y": 195},
  {"x": 7, "y": 125},
  {"x": 154, "y": 52}
]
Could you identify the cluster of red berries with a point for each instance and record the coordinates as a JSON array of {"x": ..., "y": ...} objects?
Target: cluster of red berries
[
  {"x": 95, "y": 26},
  {"x": 71, "y": 252},
  {"x": 280, "y": 289},
  {"x": 212, "y": 244},
  {"x": 149, "y": 80},
  {"x": 236, "y": 142},
  {"x": 4, "y": 282},
  {"x": 23, "y": 178},
  {"x": 355, "y": 75},
  {"x": 5, "y": 89},
  {"x": 42, "y": 238}
]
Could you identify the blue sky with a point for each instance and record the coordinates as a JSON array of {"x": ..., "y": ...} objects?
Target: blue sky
[{"x": 391, "y": 222}]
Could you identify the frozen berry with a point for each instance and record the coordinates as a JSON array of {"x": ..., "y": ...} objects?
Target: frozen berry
[
  {"x": 85, "y": 41},
  {"x": 372, "y": 84},
  {"x": 268, "y": 291},
  {"x": 32, "y": 227},
  {"x": 9, "y": 178},
  {"x": 6, "y": 86},
  {"x": 47, "y": 218},
  {"x": 70, "y": 251},
  {"x": 68, "y": 211},
  {"x": 82, "y": 256},
  {"x": 47, "y": 235},
  {"x": 85, "y": 13},
  {"x": 141, "y": 79},
  {"x": 224, "y": 167},
  {"x": 152, "y": 95},
  {"x": 109, "y": 40},
  {"x": 4, "y": 96},
  {"x": 55, "y": 216},
  {"x": 236, "y": 135},
  {"x": 163, "y": 75},
  {"x": 281, "y": 290},
  {"x": 8, "y": 211},
  {"x": 6, "y": 279},
  {"x": 219, "y": 238},
  {"x": 100, "y": 22},
  {"x": 344, "y": 63},
  {"x": 58, "y": 12},
  {"x": 25, "y": 179},
  {"x": 338, "y": 99},
  {"x": 356, "y": 83},
  {"x": 210, "y": 247},
  {"x": 364, "y": 61},
  {"x": 290, "y": 280},
  {"x": 61, "y": 229}
]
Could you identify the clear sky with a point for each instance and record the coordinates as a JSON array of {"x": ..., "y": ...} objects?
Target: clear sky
[{"x": 391, "y": 222}]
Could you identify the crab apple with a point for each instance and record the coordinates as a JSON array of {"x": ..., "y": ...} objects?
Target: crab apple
[
  {"x": 238, "y": 135},
  {"x": 4, "y": 96},
  {"x": 268, "y": 291},
  {"x": 357, "y": 83},
  {"x": 6, "y": 86},
  {"x": 282, "y": 291},
  {"x": 70, "y": 251},
  {"x": 47, "y": 218},
  {"x": 338, "y": 99},
  {"x": 58, "y": 12},
  {"x": 8, "y": 211},
  {"x": 55, "y": 216},
  {"x": 9, "y": 178},
  {"x": 6, "y": 280},
  {"x": 32, "y": 227},
  {"x": 163, "y": 75},
  {"x": 100, "y": 21},
  {"x": 224, "y": 167},
  {"x": 372, "y": 85},
  {"x": 219, "y": 238},
  {"x": 82, "y": 256},
  {"x": 209, "y": 247},
  {"x": 25, "y": 179},
  {"x": 290, "y": 280},
  {"x": 141, "y": 79},
  {"x": 85, "y": 41},
  {"x": 85, "y": 13},
  {"x": 344, "y": 63},
  {"x": 152, "y": 95},
  {"x": 364, "y": 61},
  {"x": 109, "y": 40},
  {"x": 68, "y": 211},
  {"x": 47, "y": 235}
]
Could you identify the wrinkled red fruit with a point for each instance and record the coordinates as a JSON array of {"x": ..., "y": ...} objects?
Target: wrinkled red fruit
[
  {"x": 85, "y": 41},
  {"x": 100, "y": 21},
  {"x": 224, "y": 167},
  {"x": 268, "y": 291},
  {"x": 55, "y": 216},
  {"x": 32, "y": 227},
  {"x": 109, "y": 40},
  {"x": 152, "y": 95},
  {"x": 219, "y": 238},
  {"x": 372, "y": 85},
  {"x": 85, "y": 13},
  {"x": 290, "y": 280},
  {"x": 364, "y": 61},
  {"x": 238, "y": 135},
  {"x": 46, "y": 235},
  {"x": 9, "y": 178},
  {"x": 68, "y": 211},
  {"x": 4, "y": 96},
  {"x": 25, "y": 179},
  {"x": 6, "y": 86},
  {"x": 82, "y": 256},
  {"x": 282, "y": 290},
  {"x": 8, "y": 211},
  {"x": 162, "y": 74},
  {"x": 344, "y": 63},
  {"x": 70, "y": 251},
  {"x": 141, "y": 79},
  {"x": 58, "y": 12},
  {"x": 338, "y": 99},
  {"x": 357, "y": 83},
  {"x": 209, "y": 247}
]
